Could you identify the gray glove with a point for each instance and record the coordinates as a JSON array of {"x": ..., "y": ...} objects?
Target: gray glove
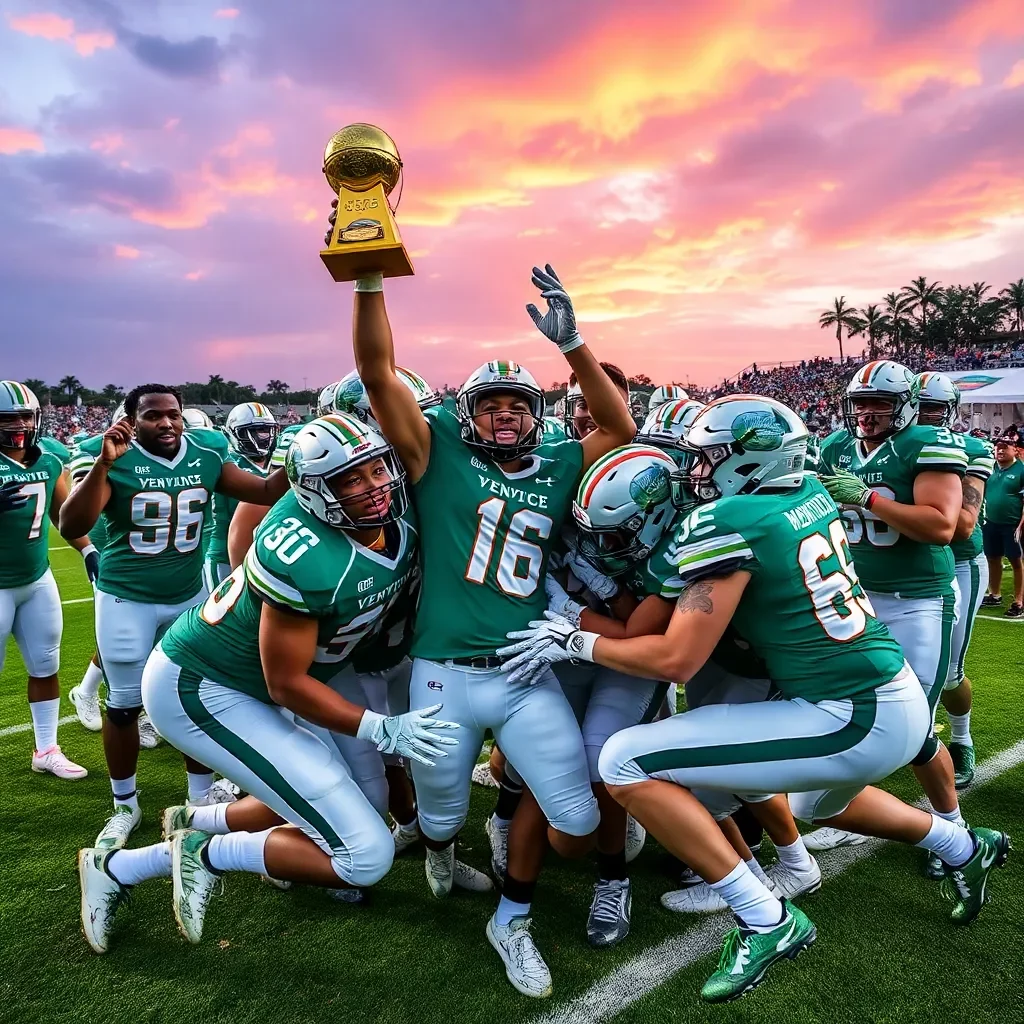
[{"x": 558, "y": 324}]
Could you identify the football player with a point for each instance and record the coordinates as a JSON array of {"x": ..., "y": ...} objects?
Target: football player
[
  {"x": 899, "y": 487},
  {"x": 33, "y": 487},
  {"x": 492, "y": 499},
  {"x": 152, "y": 482},
  {"x": 1004, "y": 527},
  {"x": 666, "y": 426},
  {"x": 196, "y": 419},
  {"x": 763, "y": 547},
  {"x": 328, "y": 563},
  {"x": 666, "y": 393},
  {"x": 938, "y": 406},
  {"x": 577, "y": 419}
]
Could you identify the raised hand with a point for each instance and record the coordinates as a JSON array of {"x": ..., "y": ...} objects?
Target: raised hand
[
  {"x": 558, "y": 324},
  {"x": 116, "y": 441}
]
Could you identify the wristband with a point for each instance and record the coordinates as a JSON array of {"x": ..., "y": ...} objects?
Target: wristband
[
  {"x": 580, "y": 645},
  {"x": 870, "y": 500},
  {"x": 370, "y": 726},
  {"x": 570, "y": 344},
  {"x": 89, "y": 549},
  {"x": 370, "y": 283}
]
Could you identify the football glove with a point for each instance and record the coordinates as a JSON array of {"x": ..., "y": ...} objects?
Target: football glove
[
  {"x": 558, "y": 324},
  {"x": 11, "y": 498},
  {"x": 561, "y": 603},
  {"x": 91, "y": 557},
  {"x": 602, "y": 587},
  {"x": 547, "y": 642},
  {"x": 415, "y": 734},
  {"x": 847, "y": 489}
]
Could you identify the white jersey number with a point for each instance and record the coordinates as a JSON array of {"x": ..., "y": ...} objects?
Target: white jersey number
[
  {"x": 520, "y": 562},
  {"x": 841, "y": 614},
  {"x": 224, "y": 597},
  {"x": 861, "y": 523},
  {"x": 37, "y": 491},
  {"x": 159, "y": 517}
]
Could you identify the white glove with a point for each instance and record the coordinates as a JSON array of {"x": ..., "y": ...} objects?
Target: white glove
[
  {"x": 558, "y": 324},
  {"x": 561, "y": 603},
  {"x": 414, "y": 734},
  {"x": 602, "y": 587},
  {"x": 547, "y": 642}
]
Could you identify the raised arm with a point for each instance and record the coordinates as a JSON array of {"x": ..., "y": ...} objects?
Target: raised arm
[{"x": 393, "y": 404}]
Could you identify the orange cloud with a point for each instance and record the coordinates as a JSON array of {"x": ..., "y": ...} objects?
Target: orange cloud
[
  {"x": 55, "y": 28},
  {"x": 15, "y": 140},
  {"x": 126, "y": 252},
  {"x": 1016, "y": 76}
]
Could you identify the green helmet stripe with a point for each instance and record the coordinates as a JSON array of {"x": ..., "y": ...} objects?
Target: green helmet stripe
[{"x": 343, "y": 430}]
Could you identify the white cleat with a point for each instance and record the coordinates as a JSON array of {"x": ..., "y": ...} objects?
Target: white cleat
[
  {"x": 405, "y": 836},
  {"x": 223, "y": 791},
  {"x": 120, "y": 825},
  {"x": 696, "y": 899},
  {"x": 470, "y": 879},
  {"x": 54, "y": 762},
  {"x": 87, "y": 708},
  {"x": 524, "y": 966},
  {"x": 193, "y": 883},
  {"x": 790, "y": 884},
  {"x": 636, "y": 836},
  {"x": 497, "y": 836},
  {"x": 148, "y": 736},
  {"x": 830, "y": 838},
  {"x": 175, "y": 819},
  {"x": 101, "y": 896},
  {"x": 444, "y": 871},
  {"x": 482, "y": 775}
]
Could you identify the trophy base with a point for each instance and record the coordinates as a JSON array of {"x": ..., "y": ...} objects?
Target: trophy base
[{"x": 349, "y": 264}]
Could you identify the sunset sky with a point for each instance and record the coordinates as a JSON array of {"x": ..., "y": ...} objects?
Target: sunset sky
[{"x": 705, "y": 177}]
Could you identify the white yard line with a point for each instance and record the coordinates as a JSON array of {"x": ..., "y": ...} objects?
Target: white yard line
[
  {"x": 12, "y": 729},
  {"x": 77, "y": 600},
  {"x": 643, "y": 973},
  {"x": 997, "y": 618}
]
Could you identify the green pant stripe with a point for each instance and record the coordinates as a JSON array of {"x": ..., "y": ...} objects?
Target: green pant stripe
[
  {"x": 942, "y": 669},
  {"x": 969, "y": 612},
  {"x": 849, "y": 735},
  {"x": 192, "y": 702}
]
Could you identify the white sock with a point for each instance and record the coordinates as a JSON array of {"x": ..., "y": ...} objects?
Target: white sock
[
  {"x": 508, "y": 910},
  {"x": 757, "y": 871},
  {"x": 130, "y": 867},
  {"x": 90, "y": 684},
  {"x": 125, "y": 794},
  {"x": 795, "y": 856},
  {"x": 410, "y": 827},
  {"x": 749, "y": 898},
  {"x": 960, "y": 729},
  {"x": 954, "y": 815},
  {"x": 199, "y": 784},
  {"x": 499, "y": 821},
  {"x": 44, "y": 722},
  {"x": 949, "y": 841},
  {"x": 212, "y": 819},
  {"x": 238, "y": 851}
]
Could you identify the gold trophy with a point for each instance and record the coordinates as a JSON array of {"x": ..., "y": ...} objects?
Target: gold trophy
[{"x": 361, "y": 164}]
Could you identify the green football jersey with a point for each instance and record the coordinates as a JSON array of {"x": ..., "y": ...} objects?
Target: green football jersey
[
  {"x": 657, "y": 574},
  {"x": 224, "y": 508},
  {"x": 51, "y": 444},
  {"x": 25, "y": 532},
  {"x": 154, "y": 520},
  {"x": 803, "y": 612},
  {"x": 1004, "y": 494},
  {"x": 284, "y": 441},
  {"x": 304, "y": 567},
  {"x": 888, "y": 562},
  {"x": 81, "y": 463},
  {"x": 384, "y": 649},
  {"x": 554, "y": 429},
  {"x": 813, "y": 453},
  {"x": 980, "y": 464},
  {"x": 486, "y": 539}
]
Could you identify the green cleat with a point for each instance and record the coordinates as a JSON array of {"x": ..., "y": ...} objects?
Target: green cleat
[
  {"x": 175, "y": 819},
  {"x": 967, "y": 885},
  {"x": 963, "y": 763},
  {"x": 748, "y": 954},
  {"x": 193, "y": 882}
]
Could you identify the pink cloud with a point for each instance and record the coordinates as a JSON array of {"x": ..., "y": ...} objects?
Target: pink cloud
[
  {"x": 53, "y": 27},
  {"x": 227, "y": 12},
  {"x": 126, "y": 252},
  {"x": 108, "y": 143},
  {"x": 15, "y": 140}
]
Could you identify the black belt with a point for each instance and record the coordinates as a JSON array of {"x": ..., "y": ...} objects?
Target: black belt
[{"x": 482, "y": 661}]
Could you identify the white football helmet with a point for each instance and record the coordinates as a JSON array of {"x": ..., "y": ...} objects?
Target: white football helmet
[
  {"x": 325, "y": 399},
  {"x": 666, "y": 426},
  {"x": 328, "y": 448},
  {"x": 666, "y": 393},
  {"x": 196, "y": 419},
  {"x": 882, "y": 379},
  {"x": 426, "y": 397},
  {"x": 938, "y": 400},
  {"x": 624, "y": 506},
  {"x": 252, "y": 430},
  {"x": 739, "y": 444},
  {"x": 16, "y": 400},
  {"x": 501, "y": 377}
]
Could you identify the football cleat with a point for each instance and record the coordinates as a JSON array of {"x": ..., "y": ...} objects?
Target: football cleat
[
  {"x": 636, "y": 836},
  {"x": 175, "y": 819},
  {"x": 689, "y": 878},
  {"x": 967, "y": 885},
  {"x": 497, "y": 836},
  {"x": 694, "y": 899},
  {"x": 102, "y": 894},
  {"x": 223, "y": 791},
  {"x": 963, "y": 763},
  {"x": 444, "y": 871},
  {"x": 524, "y": 966},
  {"x": 933, "y": 867},
  {"x": 120, "y": 825},
  {"x": 148, "y": 736},
  {"x": 54, "y": 762},
  {"x": 482, "y": 775},
  {"x": 608, "y": 922},
  {"x": 405, "y": 836},
  {"x": 87, "y": 708},
  {"x": 789, "y": 884},
  {"x": 991, "y": 601},
  {"x": 747, "y": 954},
  {"x": 193, "y": 883},
  {"x": 830, "y": 838}
]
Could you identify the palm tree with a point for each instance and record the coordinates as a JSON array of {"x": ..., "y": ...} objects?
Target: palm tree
[
  {"x": 922, "y": 295},
  {"x": 277, "y": 387},
  {"x": 36, "y": 386},
  {"x": 1013, "y": 296},
  {"x": 874, "y": 323},
  {"x": 215, "y": 383},
  {"x": 70, "y": 385},
  {"x": 978, "y": 290},
  {"x": 112, "y": 393},
  {"x": 842, "y": 317},
  {"x": 898, "y": 308}
]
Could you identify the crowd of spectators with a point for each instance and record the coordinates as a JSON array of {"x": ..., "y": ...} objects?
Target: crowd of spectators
[{"x": 64, "y": 421}]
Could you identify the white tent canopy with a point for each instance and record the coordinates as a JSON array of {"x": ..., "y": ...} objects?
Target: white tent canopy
[{"x": 991, "y": 399}]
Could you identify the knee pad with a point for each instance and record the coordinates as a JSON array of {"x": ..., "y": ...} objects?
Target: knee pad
[
  {"x": 440, "y": 827},
  {"x": 928, "y": 751},
  {"x": 578, "y": 820},
  {"x": 366, "y": 866},
  {"x": 123, "y": 717}
]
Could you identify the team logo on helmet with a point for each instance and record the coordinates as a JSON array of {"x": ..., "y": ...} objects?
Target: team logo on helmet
[
  {"x": 759, "y": 431},
  {"x": 348, "y": 395},
  {"x": 650, "y": 487}
]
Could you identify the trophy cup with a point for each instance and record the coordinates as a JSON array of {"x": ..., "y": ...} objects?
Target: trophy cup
[{"x": 362, "y": 165}]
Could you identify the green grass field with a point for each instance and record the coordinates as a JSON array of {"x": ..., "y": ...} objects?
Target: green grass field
[{"x": 885, "y": 952}]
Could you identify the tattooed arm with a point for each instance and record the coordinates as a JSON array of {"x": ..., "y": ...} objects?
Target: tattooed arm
[
  {"x": 974, "y": 493},
  {"x": 701, "y": 615}
]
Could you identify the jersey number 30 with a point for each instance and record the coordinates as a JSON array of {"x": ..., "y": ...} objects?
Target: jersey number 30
[
  {"x": 840, "y": 604},
  {"x": 519, "y": 564}
]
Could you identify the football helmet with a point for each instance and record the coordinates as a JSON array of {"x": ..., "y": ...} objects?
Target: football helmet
[
  {"x": 329, "y": 447},
  {"x": 572, "y": 396},
  {"x": 500, "y": 377},
  {"x": 885, "y": 379},
  {"x": 15, "y": 401},
  {"x": 623, "y": 507},
  {"x": 252, "y": 430},
  {"x": 666, "y": 426},
  {"x": 666, "y": 393},
  {"x": 937, "y": 394},
  {"x": 426, "y": 397},
  {"x": 196, "y": 419},
  {"x": 739, "y": 444},
  {"x": 325, "y": 399}
]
